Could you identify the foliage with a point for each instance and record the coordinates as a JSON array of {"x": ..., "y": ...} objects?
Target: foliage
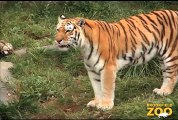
[{"x": 55, "y": 84}]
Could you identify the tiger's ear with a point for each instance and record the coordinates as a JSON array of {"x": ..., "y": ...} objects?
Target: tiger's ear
[
  {"x": 61, "y": 18},
  {"x": 81, "y": 22}
]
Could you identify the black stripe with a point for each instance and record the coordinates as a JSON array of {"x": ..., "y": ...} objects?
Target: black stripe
[
  {"x": 133, "y": 38},
  {"x": 78, "y": 36},
  {"x": 171, "y": 37},
  {"x": 143, "y": 23},
  {"x": 118, "y": 33},
  {"x": 131, "y": 18},
  {"x": 132, "y": 23},
  {"x": 112, "y": 40},
  {"x": 158, "y": 15},
  {"x": 163, "y": 32},
  {"x": 116, "y": 26},
  {"x": 143, "y": 57},
  {"x": 148, "y": 17},
  {"x": 125, "y": 34},
  {"x": 98, "y": 59},
  {"x": 98, "y": 40},
  {"x": 91, "y": 46},
  {"x": 155, "y": 28},
  {"x": 101, "y": 24},
  {"x": 141, "y": 19},
  {"x": 174, "y": 58},
  {"x": 75, "y": 35},
  {"x": 123, "y": 55},
  {"x": 167, "y": 15},
  {"x": 97, "y": 80},
  {"x": 165, "y": 48},
  {"x": 147, "y": 28},
  {"x": 87, "y": 65},
  {"x": 172, "y": 16},
  {"x": 117, "y": 29},
  {"x": 144, "y": 37},
  {"x": 133, "y": 45},
  {"x": 160, "y": 21},
  {"x": 152, "y": 44},
  {"x": 109, "y": 39},
  {"x": 130, "y": 59},
  {"x": 102, "y": 67},
  {"x": 156, "y": 38},
  {"x": 88, "y": 25},
  {"x": 76, "y": 43},
  {"x": 162, "y": 36},
  {"x": 143, "y": 48},
  {"x": 80, "y": 42},
  {"x": 94, "y": 72},
  {"x": 106, "y": 26},
  {"x": 171, "y": 67},
  {"x": 164, "y": 18},
  {"x": 131, "y": 29},
  {"x": 133, "y": 52},
  {"x": 170, "y": 24},
  {"x": 175, "y": 43},
  {"x": 109, "y": 48}
]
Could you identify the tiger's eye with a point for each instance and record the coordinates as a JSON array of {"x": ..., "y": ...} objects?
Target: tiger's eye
[{"x": 58, "y": 30}]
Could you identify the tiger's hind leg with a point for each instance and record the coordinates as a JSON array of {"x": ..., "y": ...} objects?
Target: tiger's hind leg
[{"x": 170, "y": 75}]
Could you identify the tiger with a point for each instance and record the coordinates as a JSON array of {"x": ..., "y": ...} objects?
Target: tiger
[{"x": 107, "y": 47}]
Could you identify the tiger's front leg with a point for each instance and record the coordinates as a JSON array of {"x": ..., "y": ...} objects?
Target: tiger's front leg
[
  {"x": 96, "y": 84},
  {"x": 108, "y": 76}
]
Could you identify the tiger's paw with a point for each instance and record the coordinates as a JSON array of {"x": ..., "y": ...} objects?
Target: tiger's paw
[
  {"x": 93, "y": 103},
  {"x": 105, "y": 105},
  {"x": 162, "y": 91}
]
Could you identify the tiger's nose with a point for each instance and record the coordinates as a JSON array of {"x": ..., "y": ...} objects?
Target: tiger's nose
[{"x": 59, "y": 41}]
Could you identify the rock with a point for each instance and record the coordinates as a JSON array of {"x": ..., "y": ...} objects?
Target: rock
[
  {"x": 4, "y": 93},
  {"x": 20, "y": 52},
  {"x": 5, "y": 77}
]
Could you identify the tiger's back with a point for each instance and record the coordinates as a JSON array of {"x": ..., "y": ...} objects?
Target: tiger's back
[{"x": 138, "y": 39}]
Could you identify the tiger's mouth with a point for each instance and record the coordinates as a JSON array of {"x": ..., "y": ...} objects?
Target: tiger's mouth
[{"x": 64, "y": 46}]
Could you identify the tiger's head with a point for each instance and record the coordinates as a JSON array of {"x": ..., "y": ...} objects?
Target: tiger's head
[{"x": 69, "y": 32}]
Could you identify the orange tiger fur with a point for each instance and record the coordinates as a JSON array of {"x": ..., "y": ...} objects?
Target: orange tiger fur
[{"x": 108, "y": 47}]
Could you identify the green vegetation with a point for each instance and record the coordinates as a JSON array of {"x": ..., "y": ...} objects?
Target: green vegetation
[{"x": 51, "y": 84}]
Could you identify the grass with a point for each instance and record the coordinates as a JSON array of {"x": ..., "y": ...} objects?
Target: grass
[{"x": 51, "y": 84}]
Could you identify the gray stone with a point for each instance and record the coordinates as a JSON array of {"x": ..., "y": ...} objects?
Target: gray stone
[
  {"x": 5, "y": 78},
  {"x": 20, "y": 52}
]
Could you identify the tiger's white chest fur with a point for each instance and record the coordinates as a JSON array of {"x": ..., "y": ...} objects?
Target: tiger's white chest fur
[{"x": 94, "y": 63}]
